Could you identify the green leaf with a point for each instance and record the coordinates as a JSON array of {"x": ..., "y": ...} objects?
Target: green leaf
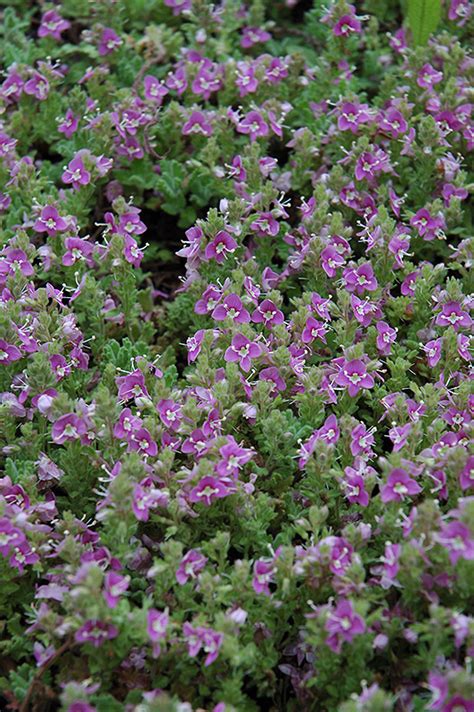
[{"x": 423, "y": 18}]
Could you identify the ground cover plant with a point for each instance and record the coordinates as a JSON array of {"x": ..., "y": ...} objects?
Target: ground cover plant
[{"x": 235, "y": 396}]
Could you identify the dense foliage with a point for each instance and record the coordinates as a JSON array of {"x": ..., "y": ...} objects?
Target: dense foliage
[{"x": 235, "y": 469}]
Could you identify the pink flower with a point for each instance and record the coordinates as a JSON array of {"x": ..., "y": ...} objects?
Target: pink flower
[
  {"x": 37, "y": 86},
  {"x": 263, "y": 571},
  {"x": 77, "y": 249},
  {"x": 362, "y": 440},
  {"x": 197, "y": 124},
  {"x": 207, "y": 490},
  {"x": 399, "y": 436},
  {"x": 114, "y": 586},
  {"x": 386, "y": 336},
  {"x": 347, "y": 25},
  {"x": 67, "y": 428},
  {"x": 453, "y": 315},
  {"x": 170, "y": 414},
  {"x": 76, "y": 173},
  {"x": 353, "y": 376},
  {"x": 154, "y": 89},
  {"x": 233, "y": 458},
  {"x": 466, "y": 477},
  {"x": 141, "y": 441},
  {"x": 243, "y": 350},
  {"x": 428, "y": 77},
  {"x": 398, "y": 486},
  {"x": 457, "y": 539},
  {"x": 69, "y": 124},
  {"x": 360, "y": 279},
  {"x": 157, "y": 623},
  {"x": 127, "y": 424},
  {"x": 193, "y": 345},
  {"x": 331, "y": 260},
  {"x": 432, "y": 350},
  {"x": 231, "y": 308},
  {"x": 109, "y": 41},
  {"x": 52, "y": 24},
  {"x": 206, "y": 639},
  {"x": 50, "y": 221},
  {"x": 354, "y": 487},
  {"x": 8, "y": 353},
  {"x": 132, "y": 386},
  {"x": 190, "y": 565},
  {"x": 146, "y": 496},
  {"x": 95, "y": 632},
  {"x": 253, "y": 35},
  {"x": 222, "y": 245},
  {"x": 268, "y": 314},
  {"x": 343, "y": 624},
  {"x": 428, "y": 227},
  {"x": 178, "y": 6},
  {"x": 253, "y": 124},
  {"x": 314, "y": 329},
  {"x": 272, "y": 374}
]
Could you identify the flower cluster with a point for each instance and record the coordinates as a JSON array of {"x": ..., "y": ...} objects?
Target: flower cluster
[{"x": 235, "y": 345}]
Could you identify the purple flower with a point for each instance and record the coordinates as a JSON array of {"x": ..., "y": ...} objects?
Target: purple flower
[
  {"x": 37, "y": 86},
  {"x": 453, "y": 315},
  {"x": 178, "y": 6},
  {"x": 69, "y": 124},
  {"x": 361, "y": 279},
  {"x": 114, "y": 586},
  {"x": 127, "y": 424},
  {"x": 398, "y": 486},
  {"x": 231, "y": 308},
  {"x": 132, "y": 386},
  {"x": 268, "y": 314},
  {"x": 362, "y": 440},
  {"x": 399, "y": 436},
  {"x": 429, "y": 227},
  {"x": 141, "y": 441},
  {"x": 331, "y": 260},
  {"x": 157, "y": 623},
  {"x": 154, "y": 89},
  {"x": 206, "y": 639},
  {"x": 353, "y": 376},
  {"x": 272, "y": 375},
  {"x": 347, "y": 25},
  {"x": 432, "y": 350},
  {"x": 109, "y": 41},
  {"x": 8, "y": 352},
  {"x": 50, "y": 221},
  {"x": 428, "y": 77},
  {"x": 197, "y": 124},
  {"x": 314, "y": 329},
  {"x": 457, "y": 540},
  {"x": 190, "y": 565},
  {"x": 466, "y": 477},
  {"x": 354, "y": 487},
  {"x": 145, "y": 497},
  {"x": 263, "y": 572},
  {"x": 233, "y": 457},
  {"x": 52, "y": 24},
  {"x": 253, "y": 124},
  {"x": 222, "y": 245},
  {"x": 170, "y": 414},
  {"x": 386, "y": 336},
  {"x": 77, "y": 249},
  {"x": 343, "y": 624},
  {"x": 207, "y": 490},
  {"x": 96, "y": 632},
  {"x": 76, "y": 173},
  {"x": 193, "y": 345},
  {"x": 243, "y": 350},
  {"x": 67, "y": 428},
  {"x": 252, "y": 36}
]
